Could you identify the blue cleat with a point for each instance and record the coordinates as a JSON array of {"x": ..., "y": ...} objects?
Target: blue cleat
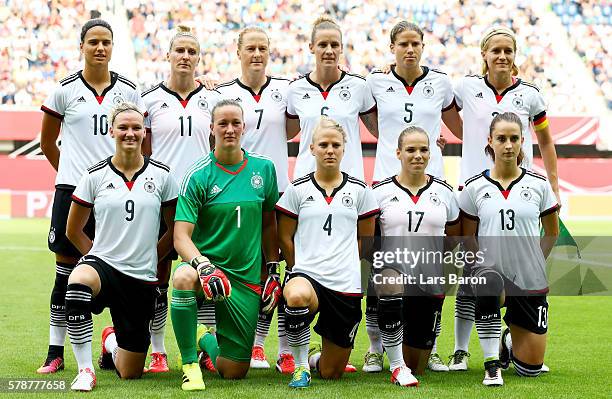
[{"x": 300, "y": 378}]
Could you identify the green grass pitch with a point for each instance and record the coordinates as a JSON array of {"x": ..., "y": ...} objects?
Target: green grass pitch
[{"x": 579, "y": 343}]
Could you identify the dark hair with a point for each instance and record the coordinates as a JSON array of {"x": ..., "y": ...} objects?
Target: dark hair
[
  {"x": 93, "y": 23},
  {"x": 510, "y": 117},
  {"x": 225, "y": 103},
  {"x": 410, "y": 130},
  {"x": 402, "y": 26}
]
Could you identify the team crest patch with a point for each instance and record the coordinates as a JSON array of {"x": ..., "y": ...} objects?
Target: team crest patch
[
  {"x": 117, "y": 100},
  {"x": 257, "y": 181},
  {"x": 345, "y": 95},
  {"x": 434, "y": 199},
  {"x": 517, "y": 102},
  {"x": 526, "y": 194},
  {"x": 52, "y": 235},
  {"x": 347, "y": 201},
  {"x": 149, "y": 186},
  {"x": 428, "y": 91},
  {"x": 276, "y": 96},
  {"x": 202, "y": 104}
]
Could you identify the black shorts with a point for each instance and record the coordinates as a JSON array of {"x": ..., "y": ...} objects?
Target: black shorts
[
  {"x": 339, "y": 314},
  {"x": 173, "y": 255},
  {"x": 131, "y": 303},
  {"x": 529, "y": 311},
  {"x": 57, "y": 240},
  {"x": 421, "y": 312}
]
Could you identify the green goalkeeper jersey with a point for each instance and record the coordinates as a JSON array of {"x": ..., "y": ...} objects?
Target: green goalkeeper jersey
[{"x": 225, "y": 203}]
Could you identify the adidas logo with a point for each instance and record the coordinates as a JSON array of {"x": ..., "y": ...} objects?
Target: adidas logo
[
  {"x": 394, "y": 199},
  {"x": 110, "y": 186},
  {"x": 164, "y": 105},
  {"x": 486, "y": 196},
  {"x": 390, "y": 90},
  {"x": 310, "y": 198},
  {"x": 81, "y": 100},
  {"x": 479, "y": 95},
  {"x": 238, "y": 100},
  {"x": 215, "y": 190},
  {"x": 305, "y": 96}
]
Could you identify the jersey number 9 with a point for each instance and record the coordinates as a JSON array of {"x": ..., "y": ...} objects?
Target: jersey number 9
[{"x": 129, "y": 208}]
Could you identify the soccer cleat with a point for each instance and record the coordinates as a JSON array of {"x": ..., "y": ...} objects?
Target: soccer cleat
[
  {"x": 373, "y": 362},
  {"x": 51, "y": 366},
  {"x": 85, "y": 381},
  {"x": 505, "y": 353},
  {"x": 105, "y": 361},
  {"x": 206, "y": 362},
  {"x": 300, "y": 378},
  {"x": 349, "y": 368},
  {"x": 313, "y": 349},
  {"x": 458, "y": 361},
  {"x": 434, "y": 363},
  {"x": 402, "y": 376},
  {"x": 258, "y": 358},
  {"x": 545, "y": 369},
  {"x": 192, "y": 378},
  {"x": 493, "y": 375},
  {"x": 159, "y": 363},
  {"x": 285, "y": 364}
]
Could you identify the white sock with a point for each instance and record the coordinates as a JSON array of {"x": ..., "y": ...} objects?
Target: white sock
[
  {"x": 82, "y": 354},
  {"x": 283, "y": 346},
  {"x": 395, "y": 355},
  {"x": 509, "y": 342},
  {"x": 434, "y": 348},
  {"x": 259, "y": 340},
  {"x": 157, "y": 341},
  {"x": 300, "y": 354},
  {"x": 490, "y": 348},
  {"x": 57, "y": 335},
  {"x": 376, "y": 345},
  {"x": 111, "y": 345},
  {"x": 463, "y": 329},
  {"x": 314, "y": 360}
]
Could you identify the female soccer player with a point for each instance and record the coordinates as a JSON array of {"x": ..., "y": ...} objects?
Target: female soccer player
[
  {"x": 178, "y": 126},
  {"x": 328, "y": 91},
  {"x": 264, "y": 100},
  {"x": 510, "y": 201},
  {"x": 411, "y": 95},
  {"x": 416, "y": 205},
  {"x": 325, "y": 272},
  {"x": 78, "y": 107},
  {"x": 225, "y": 216},
  {"x": 128, "y": 194},
  {"x": 498, "y": 90}
]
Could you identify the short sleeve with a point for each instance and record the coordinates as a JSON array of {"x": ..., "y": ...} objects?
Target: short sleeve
[
  {"x": 368, "y": 103},
  {"x": 458, "y": 92},
  {"x": 289, "y": 203},
  {"x": 467, "y": 204},
  {"x": 452, "y": 209},
  {"x": 138, "y": 100},
  {"x": 55, "y": 104},
  {"x": 84, "y": 192},
  {"x": 548, "y": 204},
  {"x": 169, "y": 192},
  {"x": 271, "y": 188},
  {"x": 291, "y": 111},
  {"x": 191, "y": 196},
  {"x": 537, "y": 111},
  {"x": 449, "y": 98},
  {"x": 367, "y": 205},
  {"x": 147, "y": 115}
]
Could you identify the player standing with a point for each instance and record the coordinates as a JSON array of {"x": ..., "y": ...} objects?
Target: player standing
[
  {"x": 225, "y": 216},
  {"x": 328, "y": 91},
  {"x": 78, "y": 107},
  {"x": 410, "y": 95},
  {"x": 264, "y": 100},
  {"x": 128, "y": 194},
  {"x": 483, "y": 97},
  {"x": 178, "y": 126},
  {"x": 337, "y": 209},
  {"x": 509, "y": 203},
  {"x": 419, "y": 206}
]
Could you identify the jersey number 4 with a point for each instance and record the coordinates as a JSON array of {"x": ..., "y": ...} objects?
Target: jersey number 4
[{"x": 327, "y": 226}]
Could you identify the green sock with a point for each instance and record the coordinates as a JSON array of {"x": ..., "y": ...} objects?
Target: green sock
[
  {"x": 209, "y": 343},
  {"x": 184, "y": 315}
]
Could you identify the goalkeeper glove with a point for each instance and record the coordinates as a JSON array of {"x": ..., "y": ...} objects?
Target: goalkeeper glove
[
  {"x": 215, "y": 284},
  {"x": 272, "y": 290}
]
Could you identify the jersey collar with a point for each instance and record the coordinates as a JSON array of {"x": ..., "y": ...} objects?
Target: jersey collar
[
  {"x": 413, "y": 197},
  {"x": 322, "y": 190},
  {"x": 409, "y": 87},
  {"x": 128, "y": 183},
  {"x": 498, "y": 97},
  {"x": 231, "y": 169},
  {"x": 178, "y": 97},
  {"x": 324, "y": 93},
  {"x": 100, "y": 98},
  {"x": 257, "y": 96},
  {"x": 506, "y": 192}
]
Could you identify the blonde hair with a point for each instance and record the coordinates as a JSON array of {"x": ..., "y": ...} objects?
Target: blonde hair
[
  {"x": 486, "y": 38},
  {"x": 328, "y": 123},
  {"x": 410, "y": 130},
  {"x": 324, "y": 22},
  {"x": 123, "y": 107},
  {"x": 184, "y": 31},
  {"x": 250, "y": 29}
]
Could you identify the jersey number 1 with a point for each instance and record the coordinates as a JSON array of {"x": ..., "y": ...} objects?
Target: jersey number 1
[{"x": 238, "y": 215}]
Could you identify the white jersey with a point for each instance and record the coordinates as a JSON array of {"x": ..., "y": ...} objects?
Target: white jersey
[
  {"x": 127, "y": 213},
  {"x": 480, "y": 103},
  {"x": 180, "y": 129},
  {"x": 511, "y": 218},
  {"x": 343, "y": 101},
  {"x": 326, "y": 247},
  {"x": 401, "y": 105},
  {"x": 84, "y": 116},
  {"x": 264, "y": 116},
  {"x": 426, "y": 212}
]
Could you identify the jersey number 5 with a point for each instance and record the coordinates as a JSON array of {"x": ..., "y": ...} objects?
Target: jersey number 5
[{"x": 408, "y": 118}]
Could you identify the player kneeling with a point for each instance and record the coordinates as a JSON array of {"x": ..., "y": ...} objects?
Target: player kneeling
[
  {"x": 128, "y": 194},
  {"x": 322, "y": 216}
]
